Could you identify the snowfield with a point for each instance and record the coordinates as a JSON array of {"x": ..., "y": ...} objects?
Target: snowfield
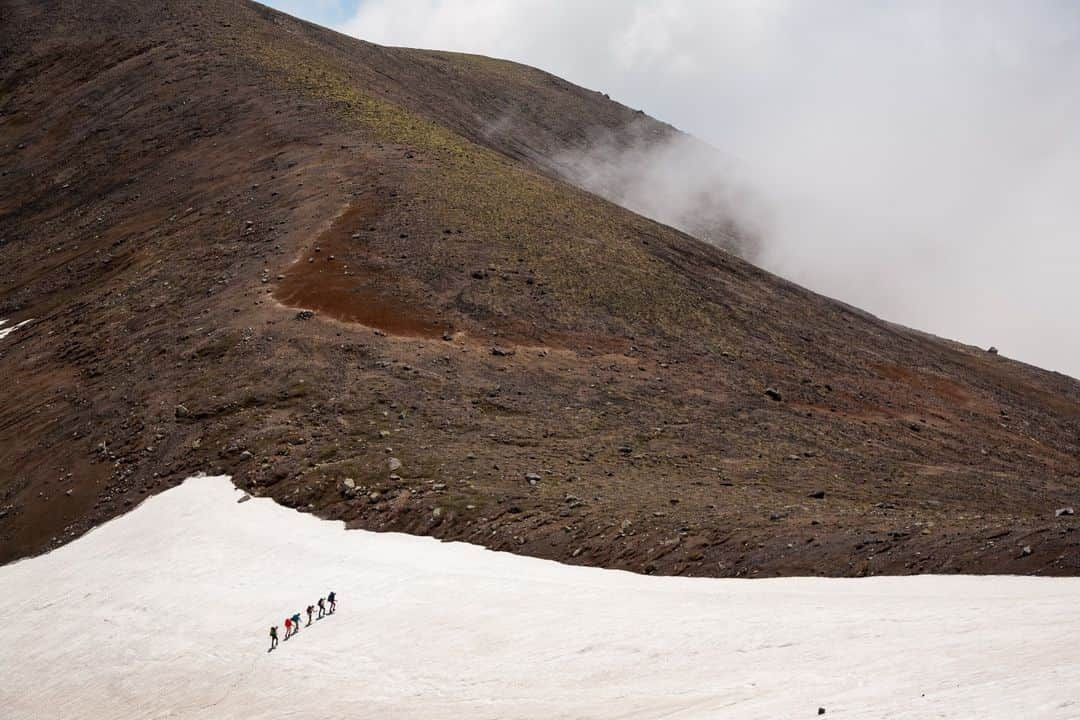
[
  {"x": 5, "y": 331},
  {"x": 164, "y": 613}
]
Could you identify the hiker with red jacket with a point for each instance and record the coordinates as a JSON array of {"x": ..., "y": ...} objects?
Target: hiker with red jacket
[{"x": 288, "y": 628}]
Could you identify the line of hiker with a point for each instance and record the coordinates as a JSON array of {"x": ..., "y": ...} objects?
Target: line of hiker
[{"x": 292, "y": 623}]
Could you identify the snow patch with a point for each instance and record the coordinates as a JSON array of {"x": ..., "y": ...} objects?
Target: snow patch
[
  {"x": 164, "y": 612},
  {"x": 4, "y": 332}
]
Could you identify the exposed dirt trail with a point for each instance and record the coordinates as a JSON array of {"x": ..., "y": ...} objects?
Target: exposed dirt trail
[{"x": 334, "y": 277}]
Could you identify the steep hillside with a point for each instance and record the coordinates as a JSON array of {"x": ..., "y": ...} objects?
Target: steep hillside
[{"x": 350, "y": 277}]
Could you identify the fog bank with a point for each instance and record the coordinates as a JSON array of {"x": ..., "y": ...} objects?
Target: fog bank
[{"x": 675, "y": 179}]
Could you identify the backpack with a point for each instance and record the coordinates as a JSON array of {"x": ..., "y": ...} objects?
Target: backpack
[{"x": 288, "y": 623}]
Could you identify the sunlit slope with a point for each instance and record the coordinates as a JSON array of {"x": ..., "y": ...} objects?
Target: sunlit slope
[{"x": 329, "y": 269}]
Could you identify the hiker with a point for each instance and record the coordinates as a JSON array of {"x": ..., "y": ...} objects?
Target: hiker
[
  {"x": 296, "y": 623},
  {"x": 322, "y": 608},
  {"x": 310, "y": 609},
  {"x": 273, "y": 637},
  {"x": 332, "y": 597},
  {"x": 288, "y": 628}
]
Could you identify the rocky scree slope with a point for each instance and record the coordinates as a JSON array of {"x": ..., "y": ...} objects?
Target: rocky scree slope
[{"x": 252, "y": 246}]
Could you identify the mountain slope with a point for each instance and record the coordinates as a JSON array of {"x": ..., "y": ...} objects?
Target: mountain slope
[{"x": 181, "y": 180}]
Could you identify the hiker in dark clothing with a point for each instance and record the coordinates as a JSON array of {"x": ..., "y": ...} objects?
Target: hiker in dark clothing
[
  {"x": 332, "y": 597},
  {"x": 273, "y": 637},
  {"x": 322, "y": 608},
  {"x": 296, "y": 623},
  {"x": 310, "y": 609}
]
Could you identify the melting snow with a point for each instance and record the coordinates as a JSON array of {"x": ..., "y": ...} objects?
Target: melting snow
[
  {"x": 4, "y": 332},
  {"x": 165, "y": 613}
]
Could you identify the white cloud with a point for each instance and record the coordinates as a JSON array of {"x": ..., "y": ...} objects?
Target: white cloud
[{"x": 920, "y": 159}]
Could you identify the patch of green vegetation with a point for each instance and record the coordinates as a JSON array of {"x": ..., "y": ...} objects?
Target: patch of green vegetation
[
  {"x": 595, "y": 271},
  {"x": 292, "y": 391},
  {"x": 459, "y": 503},
  {"x": 327, "y": 453},
  {"x": 363, "y": 471},
  {"x": 504, "y": 70},
  {"x": 217, "y": 346}
]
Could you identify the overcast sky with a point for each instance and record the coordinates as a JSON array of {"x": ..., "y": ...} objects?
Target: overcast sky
[{"x": 920, "y": 160}]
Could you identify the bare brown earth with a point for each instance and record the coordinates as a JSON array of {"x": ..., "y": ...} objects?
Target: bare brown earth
[{"x": 179, "y": 180}]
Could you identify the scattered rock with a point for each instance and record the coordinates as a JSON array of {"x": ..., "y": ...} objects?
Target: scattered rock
[
  {"x": 394, "y": 464},
  {"x": 532, "y": 478},
  {"x": 1025, "y": 551},
  {"x": 774, "y": 394},
  {"x": 992, "y": 350},
  {"x": 244, "y": 498},
  {"x": 1061, "y": 512},
  {"x": 437, "y": 513},
  {"x": 817, "y": 494},
  {"x": 501, "y": 352},
  {"x": 349, "y": 483},
  {"x": 305, "y": 314},
  {"x": 182, "y": 412},
  {"x": 821, "y": 711}
]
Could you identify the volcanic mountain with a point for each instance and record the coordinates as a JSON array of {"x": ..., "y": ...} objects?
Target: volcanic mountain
[{"x": 242, "y": 244}]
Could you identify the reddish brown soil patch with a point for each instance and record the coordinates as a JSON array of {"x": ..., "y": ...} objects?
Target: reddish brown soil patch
[
  {"x": 947, "y": 390},
  {"x": 335, "y": 277}
]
